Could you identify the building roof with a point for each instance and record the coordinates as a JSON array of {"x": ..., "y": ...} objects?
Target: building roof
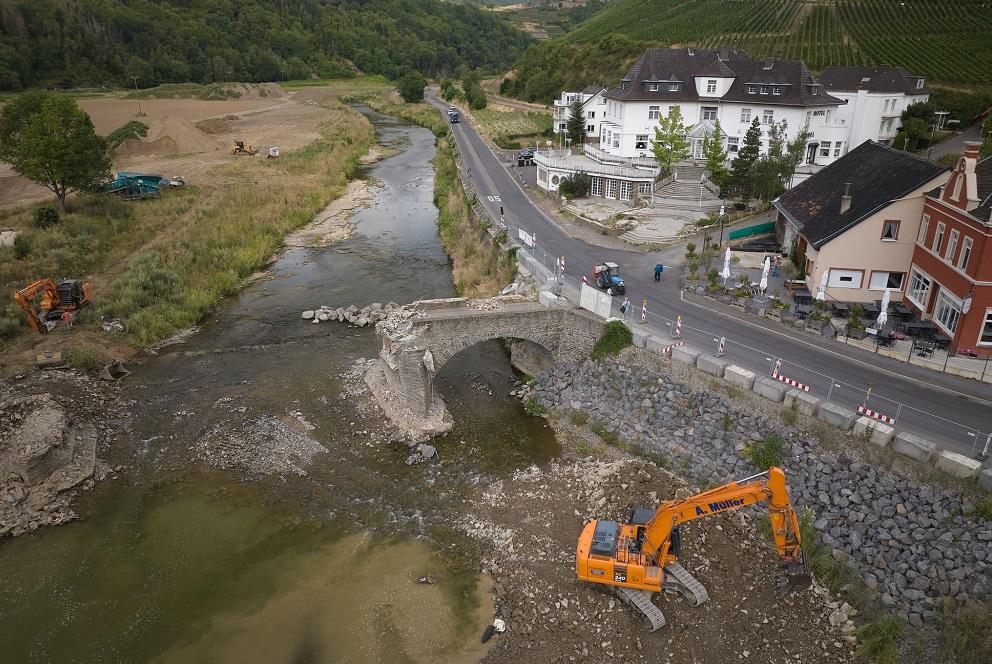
[
  {"x": 683, "y": 65},
  {"x": 872, "y": 79},
  {"x": 877, "y": 175},
  {"x": 592, "y": 89},
  {"x": 983, "y": 177}
]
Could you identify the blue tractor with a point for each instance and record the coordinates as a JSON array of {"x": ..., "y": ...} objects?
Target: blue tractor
[{"x": 607, "y": 277}]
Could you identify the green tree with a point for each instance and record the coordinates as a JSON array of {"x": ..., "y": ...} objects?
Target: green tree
[
  {"x": 715, "y": 155},
  {"x": 747, "y": 155},
  {"x": 474, "y": 94},
  {"x": 765, "y": 178},
  {"x": 913, "y": 130},
  {"x": 794, "y": 152},
  {"x": 670, "y": 145},
  {"x": 986, "y": 149},
  {"x": 575, "y": 127},
  {"x": 412, "y": 87},
  {"x": 48, "y": 139},
  {"x": 923, "y": 110}
]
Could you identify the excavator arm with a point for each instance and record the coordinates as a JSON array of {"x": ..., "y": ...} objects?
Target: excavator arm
[
  {"x": 50, "y": 300},
  {"x": 768, "y": 486}
]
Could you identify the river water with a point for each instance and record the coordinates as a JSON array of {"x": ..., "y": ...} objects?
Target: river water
[{"x": 199, "y": 552}]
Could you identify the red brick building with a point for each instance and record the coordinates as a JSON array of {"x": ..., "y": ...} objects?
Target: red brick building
[{"x": 950, "y": 280}]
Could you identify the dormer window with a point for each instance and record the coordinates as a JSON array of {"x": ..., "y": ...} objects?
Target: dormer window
[
  {"x": 776, "y": 89},
  {"x": 711, "y": 86},
  {"x": 764, "y": 89},
  {"x": 673, "y": 87},
  {"x": 919, "y": 83},
  {"x": 752, "y": 89},
  {"x": 814, "y": 89},
  {"x": 653, "y": 87}
]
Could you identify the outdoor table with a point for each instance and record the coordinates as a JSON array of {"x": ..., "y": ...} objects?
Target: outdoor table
[
  {"x": 842, "y": 309},
  {"x": 918, "y": 327},
  {"x": 901, "y": 310},
  {"x": 940, "y": 341},
  {"x": 886, "y": 339},
  {"x": 924, "y": 349},
  {"x": 872, "y": 311}
]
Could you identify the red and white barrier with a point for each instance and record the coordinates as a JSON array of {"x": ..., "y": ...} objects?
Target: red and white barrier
[
  {"x": 874, "y": 414},
  {"x": 678, "y": 328},
  {"x": 668, "y": 349},
  {"x": 585, "y": 280},
  {"x": 721, "y": 348},
  {"x": 789, "y": 381},
  {"x": 644, "y": 310}
]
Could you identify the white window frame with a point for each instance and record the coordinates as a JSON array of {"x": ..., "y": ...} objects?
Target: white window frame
[
  {"x": 825, "y": 147},
  {"x": 765, "y": 89},
  {"x": 711, "y": 86},
  {"x": 845, "y": 278},
  {"x": 767, "y": 116},
  {"x": 919, "y": 296},
  {"x": 611, "y": 188},
  {"x": 952, "y": 245},
  {"x": 591, "y": 115},
  {"x": 625, "y": 190},
  {"x": 733, "y": 144},
  {"x": 644, "y": 187},
  {"x": 654, "y": 112},
  {"x": 938, "y": 237},
  {"x": 837, "y": 148},
  {"x": 986, "y": 322},
  {"x": 919, "y": 83},
  {"x": 596, "y": 187},
  {"x": 776, "y": 89},
  {"x": 590, "y": 128},
  {"x": 883, "y": 277},
  {"x": 745, "y": 116},
  {"x": 673, "y": 87},
  {"x": 885, "y": 224},
  {"x": 947, "y": 306},
  {"x": 965, "y": 256},
  {"x": 652, "y": 87},
  {"x": 710, "y": 110},
  {"x": 752, "y": 89},
  {"x": 921, "y": 237}
]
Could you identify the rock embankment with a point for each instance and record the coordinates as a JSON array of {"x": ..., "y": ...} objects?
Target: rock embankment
[
  {"x": 358, "y": 317},
  {"x": 913, "y": 542}
]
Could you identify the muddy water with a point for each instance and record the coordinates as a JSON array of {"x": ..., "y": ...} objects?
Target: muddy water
[{"x": 182, "y": 561}]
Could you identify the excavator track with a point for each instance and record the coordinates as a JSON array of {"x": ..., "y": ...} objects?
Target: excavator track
[
  {"x": 640, "y": 601},
  {"x": 677, "y": 578}
]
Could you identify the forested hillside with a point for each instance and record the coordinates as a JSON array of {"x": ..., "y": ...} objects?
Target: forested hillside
[
  {"x": 81, "y": 42},
  {"x": 946, "y": 41}
]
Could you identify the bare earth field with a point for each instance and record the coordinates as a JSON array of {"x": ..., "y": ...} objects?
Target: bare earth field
[{"x": 197, "y": 135}]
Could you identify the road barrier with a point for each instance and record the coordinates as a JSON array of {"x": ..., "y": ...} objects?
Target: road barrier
[
  {"x": 789, "y": 381},
  {"x": 874, "y": 414}
]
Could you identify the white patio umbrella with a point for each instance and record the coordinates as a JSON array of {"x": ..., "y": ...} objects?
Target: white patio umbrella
[
  {"x": 726, "y": 267},
  {"x": 764, "y": 274},
  {"x": 821, "y": 294},
  {"x": 883, "y": 315}
]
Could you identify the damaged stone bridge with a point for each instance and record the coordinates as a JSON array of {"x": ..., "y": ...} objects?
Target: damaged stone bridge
[{"x": 418, "y": 340}]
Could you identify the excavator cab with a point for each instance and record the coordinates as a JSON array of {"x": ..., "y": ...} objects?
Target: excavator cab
[{"x": 57, "y": 299}]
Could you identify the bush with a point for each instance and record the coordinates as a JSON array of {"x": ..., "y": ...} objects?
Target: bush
[
  {"x": 132, "y": 129},
  {"x": 45, "y": 217},
  {"x": 966, "y": 634},
  {"x": 22, "y": 246},
  {"x": 575, "y": 186},
  {"x": 765, "y": 453},
  {"x": 412, "y": 87},
  {"x": 579, "y": 417},
  {"x": 616, "y": 336},
  {"x": 607, "y": 436},
  {"x": 83, "y": 359},
  {"x": 9, "y": 327},
  {"x": 534, "y": 407}
]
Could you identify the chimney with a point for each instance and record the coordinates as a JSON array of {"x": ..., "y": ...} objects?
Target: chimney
[
  {"x": 845, "y": 200},
  {"x": 971, "y": 149}
]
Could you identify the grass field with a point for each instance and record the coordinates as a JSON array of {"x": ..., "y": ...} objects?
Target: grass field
[
  {"x": 509, "y": 129},
  {"x": 946, "y": 41}
]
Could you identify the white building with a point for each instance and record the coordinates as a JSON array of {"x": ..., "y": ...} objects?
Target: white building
[
  {"x": 593, "y": 109},
  {"x": 721, "y": 84},
  {"x": 876, "y": 97}
]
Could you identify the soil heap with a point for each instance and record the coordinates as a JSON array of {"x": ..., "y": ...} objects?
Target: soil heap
[{"x": 169, "y": 135}]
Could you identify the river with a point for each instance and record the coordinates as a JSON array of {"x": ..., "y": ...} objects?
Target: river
[{"x": 265, "y": 514}]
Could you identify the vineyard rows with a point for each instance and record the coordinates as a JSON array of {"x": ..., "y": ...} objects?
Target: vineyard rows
[{"x": 946, "y": 41}]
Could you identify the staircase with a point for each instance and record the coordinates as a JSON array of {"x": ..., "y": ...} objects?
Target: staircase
[{"x": 684, "y": 192}]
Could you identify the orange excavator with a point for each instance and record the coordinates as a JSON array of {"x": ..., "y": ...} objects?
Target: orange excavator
[
  {"x": 57, "y": 300},
  {"x": 640, "y": 558}
]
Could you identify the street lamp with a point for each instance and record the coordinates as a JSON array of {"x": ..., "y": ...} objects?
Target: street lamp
[
  {"x": 721, "y": 225},
  {"x": 937, "y": 124}
]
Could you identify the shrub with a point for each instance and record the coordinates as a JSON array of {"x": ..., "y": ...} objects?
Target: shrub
[
  {"x": 607, "y": 436},
  {"x": 9, "y": 327},
  {"x": 984, "y": 507},
  {"x": 579, "y": 417},
  {"x": 765, "y": 453},
  {"x": 22, "y": 246},
  {"x": 44, "y": 217},
  {"x": 713, "y": 276},
  {"x": 690, "y": 250},
  {"x": 534, "y": 407},
  {"x": 616, "y": 336},
  {"x": 132, "y": 129},
  {"x": 966, "y": 634},
  {"x": 575, "y": 186},
  {"x": 84, "y": 359}
]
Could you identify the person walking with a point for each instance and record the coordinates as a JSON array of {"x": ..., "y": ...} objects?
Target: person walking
[
  {"x": 625, "y": 307},
  {"x": 658, "y": 269}
]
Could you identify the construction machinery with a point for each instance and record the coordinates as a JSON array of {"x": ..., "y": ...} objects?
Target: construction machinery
[
  {"x": 132, "y": 186},
  {"x": 640, "y": 558},
  {"x": 241, "y": 148},
  {"x": 58, "y": 301},
  {"x": 607, "y": 276}
]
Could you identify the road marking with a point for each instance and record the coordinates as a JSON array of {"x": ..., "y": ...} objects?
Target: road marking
[
  {"x": 947, "y": 390},
  {"x": 494, "y": 199}
]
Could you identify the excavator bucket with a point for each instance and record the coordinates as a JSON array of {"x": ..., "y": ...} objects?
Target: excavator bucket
[{"x": 797, "y": 573}]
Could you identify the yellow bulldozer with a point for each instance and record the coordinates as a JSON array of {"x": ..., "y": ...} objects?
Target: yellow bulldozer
[{"x": 240, "y": 147}]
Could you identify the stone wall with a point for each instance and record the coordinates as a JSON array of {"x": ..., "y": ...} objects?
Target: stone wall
[{"x": 913, "y": 542}]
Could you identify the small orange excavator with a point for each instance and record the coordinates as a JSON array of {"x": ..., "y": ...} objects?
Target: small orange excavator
[
  {"x": 57, "y": 300},
  {"x": 639, "y": 558}
]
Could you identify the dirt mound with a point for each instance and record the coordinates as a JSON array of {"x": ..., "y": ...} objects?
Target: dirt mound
[
  {"x": 169, "y": 135},
  {"x": 254, "y": 90}
]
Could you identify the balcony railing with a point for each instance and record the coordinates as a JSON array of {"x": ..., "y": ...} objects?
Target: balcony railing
[
  {"x": 607, "y": 158},
  {"x": 563, "y": 160}
]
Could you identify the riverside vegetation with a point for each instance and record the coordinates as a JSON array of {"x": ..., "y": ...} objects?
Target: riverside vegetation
[{"x": 161, "y": 265}]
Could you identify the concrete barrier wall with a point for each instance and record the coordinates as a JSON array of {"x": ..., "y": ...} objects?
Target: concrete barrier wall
[
  {"x": 804, "y": 403},
  {"x": 880, "y": 433},
  {"x": 739, "y": 377},
  {"x": 913, "y": 446},
  {"x": 714, "y": 366},
  {"x": 836, "y": 416},
  {"x": 770, "y": 389},
  {"x": 685, "y": 355}
]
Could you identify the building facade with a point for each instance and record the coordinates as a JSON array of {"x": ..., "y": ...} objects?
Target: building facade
[
  {"x": 593, "y": 109},
  {"x": 950, "y": 279},
  {"x": 857, "y": 221},
  {"x": 875, "y": 99}
]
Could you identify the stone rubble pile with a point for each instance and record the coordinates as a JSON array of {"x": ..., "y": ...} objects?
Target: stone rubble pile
[
  {"x": 913, "y": 542},
  {"x": 359, "y": 317},
  {"x": 264, "y": 445}
]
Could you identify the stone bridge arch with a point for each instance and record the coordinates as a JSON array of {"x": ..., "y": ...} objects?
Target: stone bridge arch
[{"x": 418, "y": 342}]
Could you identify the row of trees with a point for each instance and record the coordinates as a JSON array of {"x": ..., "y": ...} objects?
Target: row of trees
[
  {"x": 764, "y": 176},
  {"x": 471, "y": 90},
  {"x": 55, "y": 43}
]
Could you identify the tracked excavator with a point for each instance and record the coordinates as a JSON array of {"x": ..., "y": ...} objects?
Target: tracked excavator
[
  {"x": 640, "y": 558},
  {"x": 57, "y": 299}
]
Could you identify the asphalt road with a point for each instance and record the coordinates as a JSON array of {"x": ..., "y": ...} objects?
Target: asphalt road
[{"x": 954, "y": 412}]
